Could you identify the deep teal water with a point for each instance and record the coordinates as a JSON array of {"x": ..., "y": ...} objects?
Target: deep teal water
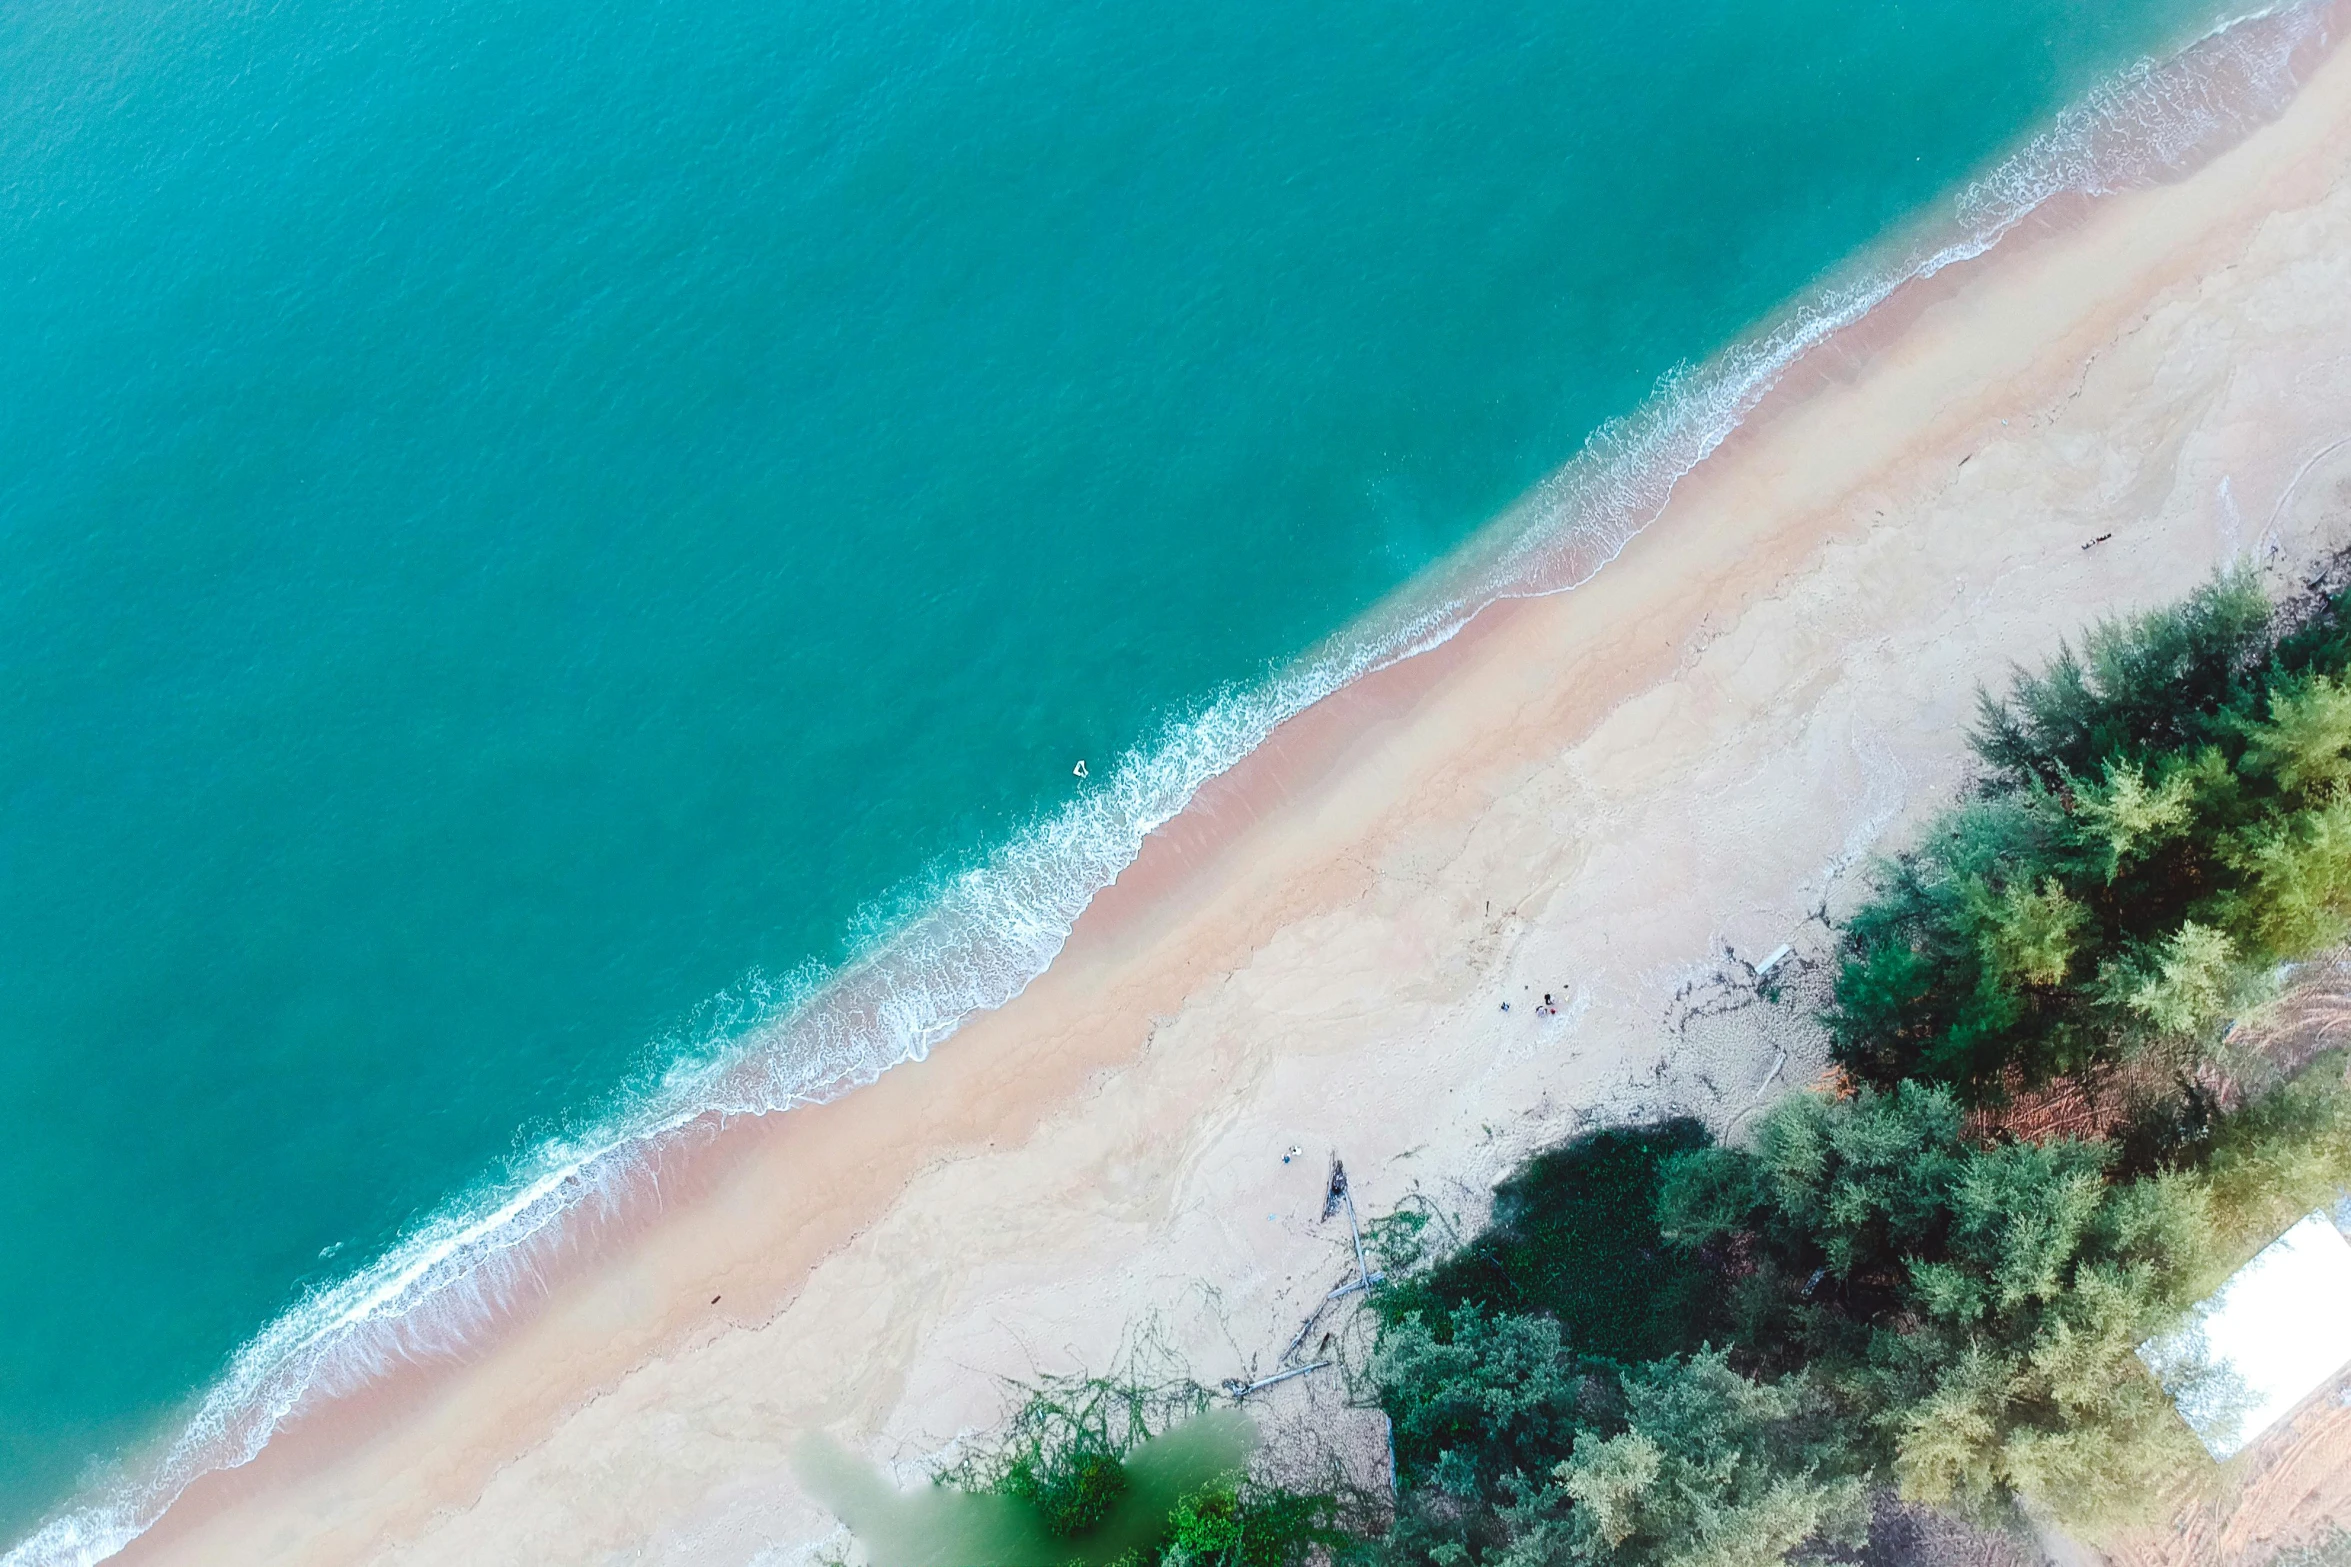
[{"x": 517, "y": 517}]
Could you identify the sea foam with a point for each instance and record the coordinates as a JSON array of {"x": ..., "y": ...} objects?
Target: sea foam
[{"x": 975, "y": 939}]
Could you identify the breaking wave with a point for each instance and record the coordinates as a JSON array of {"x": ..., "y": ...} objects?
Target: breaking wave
[{"x": 976, "y": 939}]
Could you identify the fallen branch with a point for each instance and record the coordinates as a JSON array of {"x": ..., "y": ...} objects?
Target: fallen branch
[
  {"x": 1339, "y": 1193},
  {"x": 1236, "y": 1389},
  {"x": 1335, "y": 1196},
  {"x": 1304, "y": 1328},
  {"x": 1362, "y": 1267}
]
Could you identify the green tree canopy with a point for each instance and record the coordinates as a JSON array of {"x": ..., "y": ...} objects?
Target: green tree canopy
[
  {"x": 2165, "y": 816},
  {"x": 1712, "y": 1469},
  {"x": 1980, "y": 1305}
]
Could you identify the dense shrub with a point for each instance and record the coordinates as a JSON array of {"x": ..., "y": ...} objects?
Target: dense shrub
[
  {"x": 1574, "y": 1237},
  {"x": 1073, "y": 1489},
  {"x": 1064, "y": 1451},
  {"x": 1236, "y": 1522},
  {"x": 1478, "y": 1396},
  {"x": 1070, "y": 1451}
]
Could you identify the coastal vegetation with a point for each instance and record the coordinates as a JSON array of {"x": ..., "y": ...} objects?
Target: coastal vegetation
[
  {"x": 1130, "y": 1470},
  {"x": 1065, "y": 1450},
  {"x": 1666, "y": 1352},
  {"x": 1573, "y": 1238},
  {"x": 2161, "y": 820},
  {"x": 1900, "y": 1304}
]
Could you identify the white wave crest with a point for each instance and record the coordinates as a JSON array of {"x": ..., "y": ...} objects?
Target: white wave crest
[{"x": 980, "y": 938}]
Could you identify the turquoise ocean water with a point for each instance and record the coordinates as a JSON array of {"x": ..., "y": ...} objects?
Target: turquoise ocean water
[{"x": 556, "y": 558}]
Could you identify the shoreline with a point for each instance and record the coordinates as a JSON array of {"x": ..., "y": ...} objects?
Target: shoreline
[{"x": 1312, "y": 824}]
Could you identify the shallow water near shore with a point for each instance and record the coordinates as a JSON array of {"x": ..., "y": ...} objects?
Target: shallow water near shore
[{"x": 551, "y": 545}]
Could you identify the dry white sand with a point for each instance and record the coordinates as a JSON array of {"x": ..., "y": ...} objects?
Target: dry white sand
[{"x": 1596, "y": 795}]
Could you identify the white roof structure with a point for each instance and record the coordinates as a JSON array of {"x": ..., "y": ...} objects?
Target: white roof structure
[{"x": 2275, "y": 1333}]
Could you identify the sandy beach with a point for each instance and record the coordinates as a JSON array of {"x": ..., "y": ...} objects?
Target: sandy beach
[{"x": 1618, "y": 796}]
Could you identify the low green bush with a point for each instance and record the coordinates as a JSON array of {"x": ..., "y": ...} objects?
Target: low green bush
[
  {"x": 1072, "y": 1489},
  {"x": 1474, "y": 1397},
  {"x": 1574, "y": 1237},
  {"x": 1237, "y": 1522},
  {"x": 1065, "y": 1448}
]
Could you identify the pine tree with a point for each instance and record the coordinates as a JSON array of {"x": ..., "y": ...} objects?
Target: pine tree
[
  {"x": 1979, "y": 1307},
  {"x": 1712, "y": 1470}
]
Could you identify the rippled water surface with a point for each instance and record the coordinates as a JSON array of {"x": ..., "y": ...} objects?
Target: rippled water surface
[{"x": 532, "y": 533}]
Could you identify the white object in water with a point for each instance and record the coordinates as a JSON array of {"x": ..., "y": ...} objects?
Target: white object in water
[
  {"x": 1763, "y": 969},
  {"x": 2276, "y": 1332},
  {"x": 1079, "y": 771}
]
